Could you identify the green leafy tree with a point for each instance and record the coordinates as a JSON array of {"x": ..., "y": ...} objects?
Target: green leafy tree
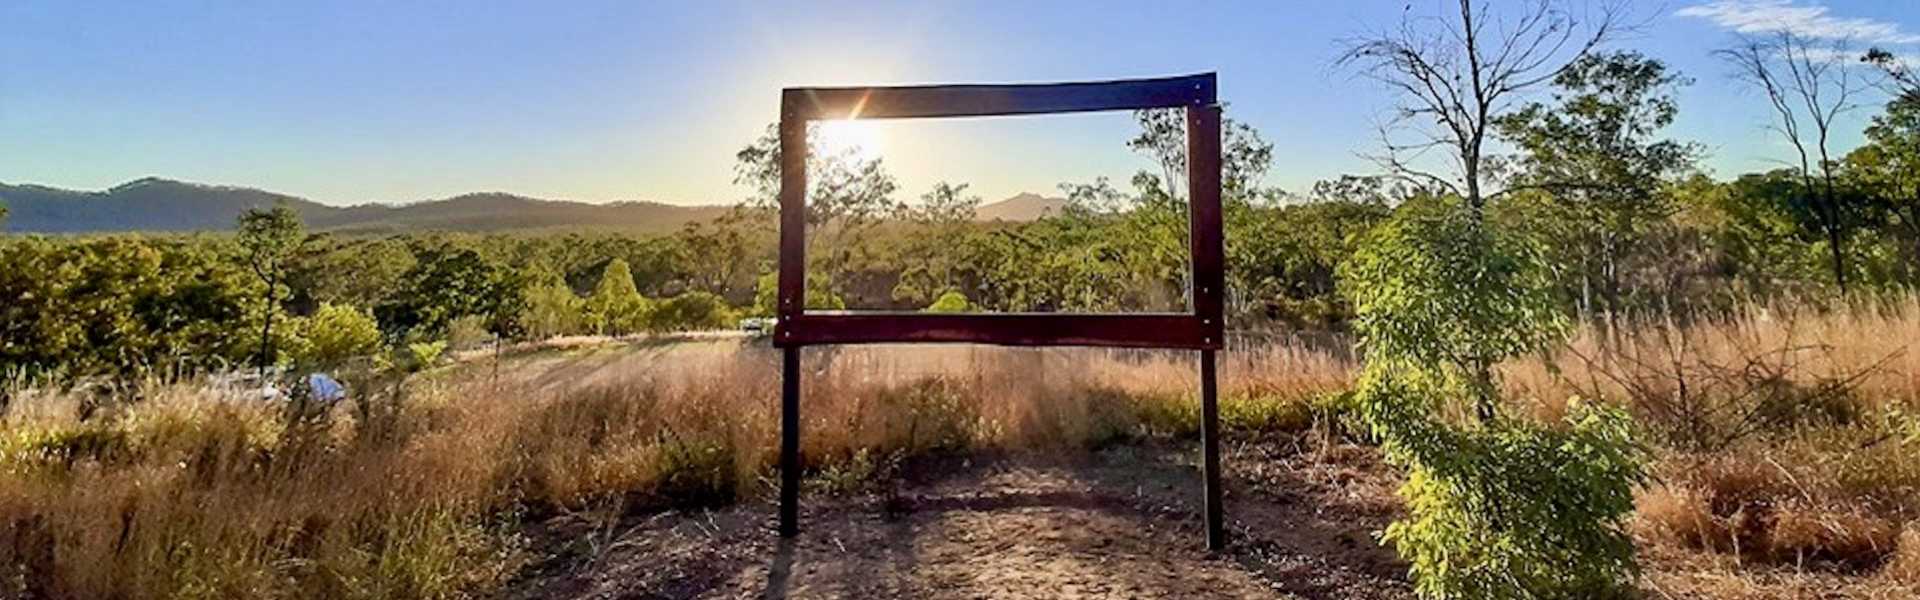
[
  {"x": 551, "y": 308},
  {"x": 1887, "y": 166},
  {"x": 691, "y": 311},
  {"x": 337, "y": 333},
  {"x": 347, "y": 270},
  {"x": 932, "y": 258},
  {"x": 1498, "y": 507},
  {"x": 122, "y": 306},
  {"x": 848, "y": 197},
  {"x": 720, "y": 255},
  {"x": 616, "y": 306},
  {"x": 951, "y": 302},
  {"x": 448, "y": 281},
  {"x": 1594, "y": 152},
  {"x": 1452, "y": 295},
  {"x": 269, "y": 238}
]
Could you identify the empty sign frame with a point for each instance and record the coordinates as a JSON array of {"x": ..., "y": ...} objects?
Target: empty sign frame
[{"x": 1199, "y": 329}]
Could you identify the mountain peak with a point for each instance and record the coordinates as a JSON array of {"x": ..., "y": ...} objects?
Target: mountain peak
[
  {"x": 147, "y": 181},
  {"x": 1024, "y": 206}
]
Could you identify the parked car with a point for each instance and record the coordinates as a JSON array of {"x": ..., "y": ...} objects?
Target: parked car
[{"x": 757, "y": 325}]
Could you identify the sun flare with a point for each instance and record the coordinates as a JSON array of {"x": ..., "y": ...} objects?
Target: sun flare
[{"x": 858, "y": 138}]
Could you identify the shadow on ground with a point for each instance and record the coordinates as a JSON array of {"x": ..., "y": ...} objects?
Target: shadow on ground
[{"x": 1119, "y": 523}]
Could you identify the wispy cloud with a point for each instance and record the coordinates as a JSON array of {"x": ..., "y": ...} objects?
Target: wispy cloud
[{"x": 1807, "y": 20}]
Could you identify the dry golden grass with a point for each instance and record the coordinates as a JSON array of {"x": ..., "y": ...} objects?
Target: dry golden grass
[
  {"x": 1784, "y": 431},
  {"x": 202, "y": 492},
  {"x": 1905, "y": 566},
  {"x": 1799, "y": 503},
  {"x": 1714, "y": 382}
]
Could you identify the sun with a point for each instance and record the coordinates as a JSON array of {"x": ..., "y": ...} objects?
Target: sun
[{"x": 858, "y": 138}]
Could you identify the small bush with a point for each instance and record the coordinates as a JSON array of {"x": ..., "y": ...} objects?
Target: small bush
[
  {"x": 951, "y": 302},
  {"x": 933, "y": 414},
  {"x": 1499, "y": 507},
  {"x": 691, "y": 311},
  {"x": 1472, "y": 532},
  {"x": 336, "y": 333},
  {"x": 468, "y": 333}
]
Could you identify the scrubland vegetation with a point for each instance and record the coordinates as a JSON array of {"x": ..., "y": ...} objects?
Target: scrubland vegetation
[
  {"x": 201, "y": 490},
  {"x": 1599, "y": 369}
]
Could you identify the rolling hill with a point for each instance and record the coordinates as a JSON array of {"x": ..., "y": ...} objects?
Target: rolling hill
[
  {"x": 155, "y": 204},
  {"x": 1020, "y": 207}
]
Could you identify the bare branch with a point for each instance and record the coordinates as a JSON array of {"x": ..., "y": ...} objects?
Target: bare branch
[{"x": 1457, "y": 72}]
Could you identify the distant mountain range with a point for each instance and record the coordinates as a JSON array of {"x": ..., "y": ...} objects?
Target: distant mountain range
[{"x": 154, "y": 204}]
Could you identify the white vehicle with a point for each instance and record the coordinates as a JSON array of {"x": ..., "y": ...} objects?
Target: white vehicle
[{"x": 757, "y": 325}]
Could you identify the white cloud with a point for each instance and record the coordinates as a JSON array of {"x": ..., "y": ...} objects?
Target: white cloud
[{"x": 1809, "y": 20}]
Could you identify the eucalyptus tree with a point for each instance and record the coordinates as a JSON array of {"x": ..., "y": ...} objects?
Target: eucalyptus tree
[
  {"x": 848, "y": 194},
  {"x": 1809, "y": 86},
  {"x": 1456, "y": 73},
  {"x": 269, "y": 238},
  {"x": 1595, "y": 151}
]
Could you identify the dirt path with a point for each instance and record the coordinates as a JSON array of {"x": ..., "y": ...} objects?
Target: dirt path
[{"x": 1121, "y": 523}]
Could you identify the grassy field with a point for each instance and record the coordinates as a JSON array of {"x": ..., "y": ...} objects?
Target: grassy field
[{"x": 1786, "y": 441}]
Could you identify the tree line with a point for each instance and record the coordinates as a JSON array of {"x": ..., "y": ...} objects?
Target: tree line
[{"x": 1632, "y": 226}]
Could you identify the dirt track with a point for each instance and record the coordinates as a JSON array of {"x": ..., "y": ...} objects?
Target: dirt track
[{"x": 1121, "y": 523}]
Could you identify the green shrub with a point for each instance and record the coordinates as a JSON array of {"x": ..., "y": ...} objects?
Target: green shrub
[
  {"x": 468, "y": 332},
  {"x": 691, "y": 311},
  {"x": 951, "y": 302},
  {"x": 616, "y": 306},
  {"x": 1499, "y": 507},
  {"x": 1518, "y": 510},
  {"x": 696, "y": 470},
  {"x": 552, "y": 310},
  {"x": 336, "y": 333}
]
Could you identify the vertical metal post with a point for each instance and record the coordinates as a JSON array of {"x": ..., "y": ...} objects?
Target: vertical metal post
[
  {"x": 793, "y": 285},
  {"x": 790, "y": 442},
  {"x": 1210, "y": 448},
  {"x": 1209, "y": 290}
]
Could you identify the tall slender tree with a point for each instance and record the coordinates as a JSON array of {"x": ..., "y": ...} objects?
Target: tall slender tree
[
  {"x": 1809, "y": 87},
  {"x": 848, "y": 195},
  {"x": 1595, "y": 150},
  {"x": 269, "y": 238}
]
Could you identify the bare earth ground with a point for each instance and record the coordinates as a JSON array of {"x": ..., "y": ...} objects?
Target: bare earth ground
[
  {"x": 1122, "y": 522},
  {"x": 1119, "y": 523}
]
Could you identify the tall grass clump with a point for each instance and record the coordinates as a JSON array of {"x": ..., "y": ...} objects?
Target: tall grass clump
[
  {"x": 418, "y": 489},
  {"x": 1788, "y": 428}
]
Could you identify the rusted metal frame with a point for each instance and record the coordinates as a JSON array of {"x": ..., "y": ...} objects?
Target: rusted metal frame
[
  {"x": 1209, "y": 288},
  {"x": 791, "y": 303},
  {"x": 790, "y": 442},
  {"x": 908, "y": 102},
  {"x": 1135, "y": 330},
  {"x": 796, "y": 328}
]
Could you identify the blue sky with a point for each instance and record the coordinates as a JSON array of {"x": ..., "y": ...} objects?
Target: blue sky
[{"x": 353, "y": 102}]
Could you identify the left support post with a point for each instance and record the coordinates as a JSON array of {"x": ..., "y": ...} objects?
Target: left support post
[
  {"x": 1214, "y": 512},
  {"x": 790, "y": 442}
]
